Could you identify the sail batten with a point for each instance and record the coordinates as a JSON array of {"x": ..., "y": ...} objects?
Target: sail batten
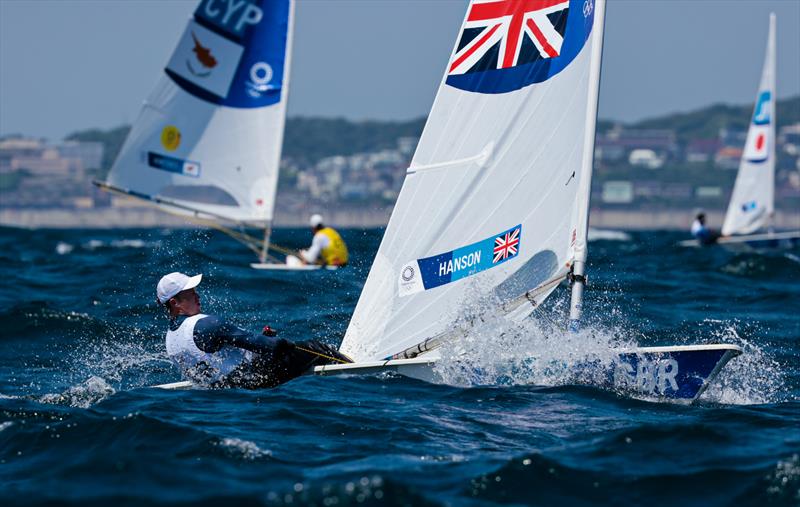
[
  {"x": 486, "y": 229},
  {"x": 752, "y": 202},
  {"x": 208, "y": 137}
]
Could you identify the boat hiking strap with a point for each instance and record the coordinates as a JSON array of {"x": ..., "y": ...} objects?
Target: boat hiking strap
[{"x": 251, "y": 242}]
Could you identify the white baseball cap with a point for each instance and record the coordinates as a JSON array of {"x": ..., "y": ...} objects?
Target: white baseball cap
[
  {"x": 315, "y": 220},
  {"x": 173, "y": 283}
]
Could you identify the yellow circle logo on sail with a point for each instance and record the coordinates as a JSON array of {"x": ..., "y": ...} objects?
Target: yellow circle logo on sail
[{"x": 171, "y": 137}]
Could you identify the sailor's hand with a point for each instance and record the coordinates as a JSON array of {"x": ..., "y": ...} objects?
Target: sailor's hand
[{"x": 268, "y": 331}]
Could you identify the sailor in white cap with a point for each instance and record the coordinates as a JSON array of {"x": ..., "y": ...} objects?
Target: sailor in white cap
[
  {"x": 327, "y": 248},
  {"x": 212, "y": 352}
]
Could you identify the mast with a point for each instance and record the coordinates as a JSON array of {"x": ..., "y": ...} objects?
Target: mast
[
  {"x": 578, "y": 275},
  {"x": 770, "y": 63},
  {"x": 262, "y": 257}
]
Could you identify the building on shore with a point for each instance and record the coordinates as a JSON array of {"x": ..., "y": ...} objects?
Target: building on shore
[{"x": 34, "y": 173}]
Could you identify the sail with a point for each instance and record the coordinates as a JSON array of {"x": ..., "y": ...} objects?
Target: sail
[
  {"x": 496, "y": 198},
  {"x": 209, "y": 136},
  {"x": 753, "y": 199}
]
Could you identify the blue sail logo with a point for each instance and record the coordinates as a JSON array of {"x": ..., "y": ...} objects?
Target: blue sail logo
[{"x": 761, "y": 113}]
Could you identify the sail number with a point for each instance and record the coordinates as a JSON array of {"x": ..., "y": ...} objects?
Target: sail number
[{"x": 231, "y": 15}]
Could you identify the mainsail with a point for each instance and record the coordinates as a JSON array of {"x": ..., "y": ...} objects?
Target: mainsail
[
  {"x": 208, "y": 139},
  {"x": 496, "y": 199},
  {"x": 752, "y": 202}
]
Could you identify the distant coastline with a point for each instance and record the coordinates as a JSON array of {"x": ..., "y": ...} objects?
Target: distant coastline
[
  {"x": 648, "y": 175},
  {"x": 121, "y": 218}
]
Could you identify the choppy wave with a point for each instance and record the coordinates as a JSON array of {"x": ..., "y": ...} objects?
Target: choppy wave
[
  {"x": 94, "y": 390},
  {"x": 524, "y": 423},
  {"x": 243, "y": 448}
]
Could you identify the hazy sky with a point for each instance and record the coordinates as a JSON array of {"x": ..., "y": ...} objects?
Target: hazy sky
[{"x": 69, "y": 65}]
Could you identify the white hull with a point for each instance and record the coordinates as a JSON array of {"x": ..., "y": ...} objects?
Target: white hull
[
  {"x": 677, "y": 373},
  {"x": 765, "y": 240},
  {"x": 175, "y": 386},
  {"x": 419, "y": 368}
]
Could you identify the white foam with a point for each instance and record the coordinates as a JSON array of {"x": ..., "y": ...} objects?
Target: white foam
[
  {"x": 94, "y": 244},
  {"x": 607, "y": 235},
  {"x": 90, "y": 392},
  {"x": 63, "y": 248},
  {"x": 243, "y": 448},
  {"x": 752, "y": 378},
  {"x": 536, "y": 351}
]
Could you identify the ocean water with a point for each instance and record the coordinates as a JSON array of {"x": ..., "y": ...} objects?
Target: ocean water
[{"x": 81, "y": 339}]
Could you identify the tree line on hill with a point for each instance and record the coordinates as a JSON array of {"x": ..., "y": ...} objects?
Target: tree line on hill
[{"x": 308, "y": 140}]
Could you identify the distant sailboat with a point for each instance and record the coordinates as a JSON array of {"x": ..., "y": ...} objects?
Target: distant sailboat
[
  {"x": 495, "y": 204},
  {"x": 207, "y": 142},
  {"x": 752, "y": 203}
]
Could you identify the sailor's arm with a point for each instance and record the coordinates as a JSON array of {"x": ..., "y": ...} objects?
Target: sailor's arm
[
  {"x": 212, "y": 333},
  {"x": 317, "y": 244}
]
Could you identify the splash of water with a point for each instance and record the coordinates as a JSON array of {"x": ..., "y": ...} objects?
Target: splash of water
[
  {"x": 494, "y": 349},
  {"x": 752, "y": 378},
  {"x": 127, "y": 364},
  {"x": 90, "y": 392}
]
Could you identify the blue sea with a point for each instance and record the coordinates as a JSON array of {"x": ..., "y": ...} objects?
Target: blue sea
[{"x": 81, "y": 340}]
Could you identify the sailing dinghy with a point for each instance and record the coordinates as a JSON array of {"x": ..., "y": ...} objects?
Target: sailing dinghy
[
  {"x": 494, "y": 208},
  {"x": 207, "y": 142},
  {"x": 752, "y": 203}
]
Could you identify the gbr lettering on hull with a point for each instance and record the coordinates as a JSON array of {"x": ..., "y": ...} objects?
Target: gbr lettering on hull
[{"x": 656, "y": 377}]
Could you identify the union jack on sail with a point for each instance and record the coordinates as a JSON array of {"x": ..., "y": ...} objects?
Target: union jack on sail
[
  {"x": 505, "y": 246},
  {"x": 523, "y": 31}
]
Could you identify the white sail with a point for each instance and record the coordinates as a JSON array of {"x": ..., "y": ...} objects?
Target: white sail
[
  {"x": 753, "y": 199},
  {"x": 208, "y": 138},
  {"x": 496, "y": 198}
]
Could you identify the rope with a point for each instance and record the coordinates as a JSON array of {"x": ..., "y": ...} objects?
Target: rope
[
  {"x": 320, "y": 354},
  {"x": 247, "y": 240},
  {"x": 283, "y": 250}
]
